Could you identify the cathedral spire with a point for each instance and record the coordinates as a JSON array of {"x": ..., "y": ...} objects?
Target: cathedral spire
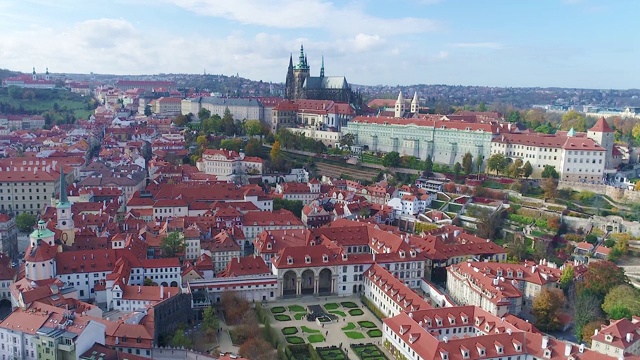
[
  {"x": 63, "y": 200},
  {"x": 322, "y": 67},
  {"x": 290, "y": 61},
  {"x": 301, "y": 59}
]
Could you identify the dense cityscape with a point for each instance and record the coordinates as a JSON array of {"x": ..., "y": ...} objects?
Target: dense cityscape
[{"x": 220, "y": 216}]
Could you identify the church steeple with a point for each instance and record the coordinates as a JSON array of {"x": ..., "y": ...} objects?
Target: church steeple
[
  {"x": 414, "y": 103},
  {"x": 63, "y": 200},
  {"x": 33, "y": 74},
  {"x": 322, "y": 68},
  {"x": 290, "y": 61}
]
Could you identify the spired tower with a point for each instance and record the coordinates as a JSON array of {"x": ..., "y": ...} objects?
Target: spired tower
[
  {"x": 399, "y": 106},
  {"x": 414, "y": 103},
  {"x": 34, "y": 76},
  {"x": 64, "y": 215},
  {"x": 300, "y": 74}
]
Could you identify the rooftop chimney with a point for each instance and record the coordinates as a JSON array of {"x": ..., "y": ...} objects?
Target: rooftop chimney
[
  {"x": 545, "y": 342},
  {"x": 161, "y": 292},
  {"x": 567, "y": 349}
]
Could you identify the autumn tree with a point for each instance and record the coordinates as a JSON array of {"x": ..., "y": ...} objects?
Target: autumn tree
[
  {"x": 567, "y": 276},
  {"x": 589, "y": 330},
  {"x": 253, "y": 148},
  {"x": 515, "y": 169},
  {"x": 497, "y": 162},
  {"x": 550, "y": 188},
  {"x": 546, "y": 309},
  {"x": 602, "y": 276},
  {"x": 573, "y": 119},
  {"x": 527, "y": 169},
  {"x": 623, "y": 301},
  {"x": 276, "y": 153},
  {"x": 172, "y": 245},
  {"x": 257, "y": 349},
  {"x": 234, "y": 306},
  {"x": 181, "y": 120},
  {"x": 467, "y": 163}
]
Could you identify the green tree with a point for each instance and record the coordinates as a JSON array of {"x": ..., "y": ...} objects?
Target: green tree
[
  {"x": 253, "y": 148},
  {"x": 573, "y": 119},
  {"x": 457, "y": 169},
  {"x": 479, "y": 164},
  {"x": 527, "y": 169},
  {"x": 25, "y": 222},
  {"x": 497, "y": 162},
  {"x": 202, "y": 141},
  {"x": 180, "y": 339},
  {"x": 295, "y": 206},
  {"x": 172, "y": 245},
  {"x": 231, "y": 144},
  {"x": 204, "y": 114},
  {"x": 252, "y": 127},
  {"x": 515, "y": 169},
  {"x": 391, "y": 159},
  {"x": 228, "y": 124},
  {"x": 566, "y": 278},
  {"x": 210, "y": 321},
  {"x": 428, "y": 165},
  {"x": 550, "y": 171},
  {"x": 514, "y": 116},
  {"x": 482, "y": 107},
  {"x": 467, "y": 163},
  {"x": 622, "y": 301},
  {"x": 147, "y": 110},
  {"x": 149, "y": 282},
  {"x": 348, "y": 139},
  {"x": 546, "y": 309},
  {"x": 586, "y": 307}
]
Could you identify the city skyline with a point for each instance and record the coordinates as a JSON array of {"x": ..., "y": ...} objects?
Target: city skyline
[{"x": 551, "y": 43}]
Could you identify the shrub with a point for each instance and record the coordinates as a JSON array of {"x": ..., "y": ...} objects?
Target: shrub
[
  {"x": 315, "y": 338},
  {"x": 354, "y": 335},
  {"x": 331, "y": 306},
  {"x": 349, "y": 305},
  {"x": 289, "y": 330},
  {"x": 374, "y": 333},
  {"x": 295, "y": 340},
  {"x": 367, "y": 324},
  {"x": 282, "y": 317},
  {"x": 355, "y": 312},
  {"x": 297, "y": 308},
  {"x": 278, "y": 310}
]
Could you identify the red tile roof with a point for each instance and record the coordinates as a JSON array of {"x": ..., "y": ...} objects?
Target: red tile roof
[{"x": 601, "y": 126}]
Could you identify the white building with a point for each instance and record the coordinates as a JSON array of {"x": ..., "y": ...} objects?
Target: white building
[{"x": 225, "y": 164}]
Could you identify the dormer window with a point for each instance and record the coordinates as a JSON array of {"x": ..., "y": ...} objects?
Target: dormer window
[
  {"x": 510, "y": 273},
  {"x": 547, "y": 353},
  {"x": 307, "y": 259},
  {"x": 465, "y": 319},
  {"x": 452, "y": 320},
  {"x": 499, "y": 273},
  {"x": 269, "y": 246},
  {"x": 608, "y": 338},
  {"x": 439, "y": 322},
  {"x": 519, "y": 274},
  {"x": 325, "y": 258},
  {"x": 401, "y": 253},
  {"x": 289, "y": 260},
  {"x": 344, "y": 257}
]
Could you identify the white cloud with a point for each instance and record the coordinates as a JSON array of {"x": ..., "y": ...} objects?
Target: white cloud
[{"x": 478, "y": 45}]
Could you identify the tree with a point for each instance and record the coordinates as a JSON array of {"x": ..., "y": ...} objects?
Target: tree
[
  {"x": 573, "y": 119},
  {"x": 252, "y": 127},
  {"x": 147, "y": 110},
  {"x": 257, "y": 349},
  {"x": 210, "y": 321},
  {"x": 181, "y": 120},
  {"x": 586, "y": 308},
  {"x": 457, "y": 169},
  {"x": 488, "y": 222},
  {"x": 348, "y": 139},
  {"x": 550, "y": 188},
  {"x": 567, "y": 276},
  {"x": 149, "y": 282},
  {"x": 295, "y": 206},
  {"x": 234, "y": 144},
  {"x": 517, "y": 247},
  {"x": 234, "y": 306},
  {"x": 172, "y": 245},
  {"x": 602, "y": 276},
  {"x": 204, "y": 114},
  {"x": 549, "y": 171},
  {"x": 253, "y": 148},
  {"x": 228, "y": 123},
  {"x": 180, "y": 339},
  {"x": 275, "y": 153},
  {"x": 527, "y": 169},
  {"x": 515, "y": 169},
  {"x": 428, "y": 165},
  {"x": 202, "y": 141},
  {"x": 391, "y": 159},
  {"x": 497, "y": 162},
  {"x": 467, "y": 163},
  {"x": 546, "y": 308},
  {"x": 622, "y": 301},
  {"x": 589, "y": 330},
  {"x": 25, "y": 222},
  {"x": 478, "y": 164},
  {"x": 482, "y": 107}
]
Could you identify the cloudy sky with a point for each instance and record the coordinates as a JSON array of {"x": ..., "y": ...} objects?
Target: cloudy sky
[{"x": 567, "y": 43}]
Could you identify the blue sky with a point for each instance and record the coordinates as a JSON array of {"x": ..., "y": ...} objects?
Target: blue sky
[{"x": 565, "y": 43}]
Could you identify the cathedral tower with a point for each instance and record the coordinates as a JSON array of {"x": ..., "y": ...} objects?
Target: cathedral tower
[
  {"x": 414, "y": 103},
  {"x": 300, "y": 75},
  {"x": 399, "y": 106},
  {"x": 64, "y": 215},
  {"x": 289, "y": 83}
]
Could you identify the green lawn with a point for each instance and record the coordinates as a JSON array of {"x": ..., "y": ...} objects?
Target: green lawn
[
  {"x": 278, "y": 310},
  {"x": 338, "y": 312},
  {"x": 315, "y": 338},
  {"x": 289, "y": 330},
  {"x": 330, "y": 353},
  {"x": 331, "y": 306},
  {"x": 368, "y": 351},
  {"x": 367, "y": 324},
  {"x": 374, "y": 333},
  {"x": 349, "y": 304},
  {"x": 299, "y": 316},
  {"x": 355, "y": 312},
  {"x": 350, "y": 326},
  {"x": 354, "y": 335},
  {"x": 309, "y": 330},
  {"x": 297, "y": 308},
  {"x": 282, "y": 317},
  {"x": 295, "y": 340}
]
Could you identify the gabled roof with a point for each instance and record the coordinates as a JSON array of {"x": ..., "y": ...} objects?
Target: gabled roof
[{"x": 601, "y": 126}]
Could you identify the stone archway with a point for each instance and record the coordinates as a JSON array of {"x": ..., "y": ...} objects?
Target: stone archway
[
  {"x": 325, "y": 279},
  {"x": 164, "y": 283},
  {"x": 289, "y": 286},
  {"x": 174, "y": 284},
  {"x": 307, "y": 280}
]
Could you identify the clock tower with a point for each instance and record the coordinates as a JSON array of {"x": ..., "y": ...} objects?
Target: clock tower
[{"x": 65, "y": 218}]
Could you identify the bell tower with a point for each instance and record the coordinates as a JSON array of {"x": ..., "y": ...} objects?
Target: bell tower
[
  {"x": 300, "y": 73},
  {"x": 64, "y": 215}
]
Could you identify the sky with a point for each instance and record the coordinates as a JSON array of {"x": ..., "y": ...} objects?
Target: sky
[{"x": 513, "y": 43}]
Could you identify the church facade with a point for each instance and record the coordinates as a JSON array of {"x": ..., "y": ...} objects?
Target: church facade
[{"x": 301, "y": 85}]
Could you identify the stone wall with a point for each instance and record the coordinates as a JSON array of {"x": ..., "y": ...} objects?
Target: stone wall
[{"x": 611, "y": 191}]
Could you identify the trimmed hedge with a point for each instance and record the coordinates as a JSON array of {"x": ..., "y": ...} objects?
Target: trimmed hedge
[
  {"x": 349, "y": 304},
  {"x": 278, "y": 310},
  {"x": 367, "y": 324},
  {"x": 374, "y": 333},
  {"x": 282, "y": 317},
  {"x": 289, "y": 330},
  {"x": 356, "y": 312}
]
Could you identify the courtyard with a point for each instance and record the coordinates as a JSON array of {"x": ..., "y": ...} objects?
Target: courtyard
[{"x": 340, "y": 322}]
